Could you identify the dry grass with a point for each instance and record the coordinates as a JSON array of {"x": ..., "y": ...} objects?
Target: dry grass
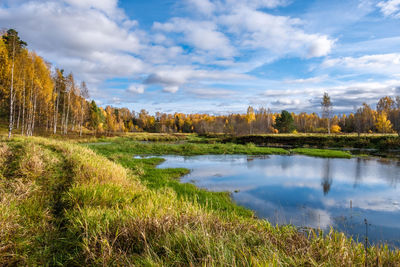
[{"x": 81, "y": 209}]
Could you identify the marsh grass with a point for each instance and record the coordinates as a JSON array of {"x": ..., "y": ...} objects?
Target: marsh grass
[
  {"x": 323, "y": 153},
  {"x": 299, "y": 140},
  {"x": 124, "y": 145},
  {"x": 75, "y": 207}
]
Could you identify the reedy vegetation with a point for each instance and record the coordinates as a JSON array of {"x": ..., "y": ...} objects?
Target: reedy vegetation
[{"x": 62, "y": 203}]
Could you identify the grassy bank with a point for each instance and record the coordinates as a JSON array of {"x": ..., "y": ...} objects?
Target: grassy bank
[
  {"x": 63, "y": 204},
  {"x": 126, "y": 145},
  {"x": 376, "y": 141},
  {"x": 322, "y": 153}
]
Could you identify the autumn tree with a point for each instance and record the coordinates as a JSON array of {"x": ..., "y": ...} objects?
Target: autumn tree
[
  {"x": 250, "y": 117},
  {"x": 96, "y": 116},
  {"x": 383, "y": 125},
  {"x": 326, "y": 105},
  {"x": 14, "y": 46},
  {"x": 385, "y": 104}
]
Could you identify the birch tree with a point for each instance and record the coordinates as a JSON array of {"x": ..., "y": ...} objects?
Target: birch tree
[{"x": 14, "y": 46}]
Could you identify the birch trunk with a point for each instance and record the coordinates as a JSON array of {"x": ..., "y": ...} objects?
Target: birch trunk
[
  {"x": 63, "y": 114},
  {"x": 81, "y": 122},
  {"x": 56, "y": 111},
  {"x": 23, "y": 110},
  {"x": 10, "y": 126},
  {"x": 33, "y": 115},
  {"x": 67, "y": 115}
]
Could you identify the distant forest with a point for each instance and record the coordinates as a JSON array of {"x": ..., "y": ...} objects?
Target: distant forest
[{"x": 35, "y": 97}]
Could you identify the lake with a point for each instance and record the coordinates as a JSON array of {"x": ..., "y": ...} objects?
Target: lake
[{"x": 307, "y": 191}]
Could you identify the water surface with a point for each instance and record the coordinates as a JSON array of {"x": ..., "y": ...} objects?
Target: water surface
[{"x": 307, "y": 191}]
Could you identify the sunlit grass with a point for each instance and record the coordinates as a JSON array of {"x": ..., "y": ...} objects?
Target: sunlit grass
[
  {"x": 122, "y": 145},
  {"x": 323, "y": 153},
  {"x": 63, "y": 204}
]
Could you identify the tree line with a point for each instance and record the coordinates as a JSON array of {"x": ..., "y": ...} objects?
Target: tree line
[
  {"x": 384, "y": 119},
  {"x": 34, "y": 96}
]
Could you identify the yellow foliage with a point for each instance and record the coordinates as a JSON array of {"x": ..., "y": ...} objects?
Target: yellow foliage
[
  {"x": 335, "y": 129},
  {"x": 383, "y": 125}
]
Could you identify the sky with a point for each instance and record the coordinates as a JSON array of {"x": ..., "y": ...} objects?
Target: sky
[{"x": 218, "y": 56}]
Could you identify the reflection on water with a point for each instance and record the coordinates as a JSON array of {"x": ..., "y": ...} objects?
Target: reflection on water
[
  {"x": 326, "y": 177},
  {"x": 307, "y": 191}
]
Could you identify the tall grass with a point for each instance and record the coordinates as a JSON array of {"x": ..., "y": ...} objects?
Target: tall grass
[{"x": 63, "y": 204}]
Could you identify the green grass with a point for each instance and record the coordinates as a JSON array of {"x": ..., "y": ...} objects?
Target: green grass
[
  {"x": 125, "y": 145},
  {"x": 63, "y": 204},
  {"x": 323, "y": 153},
  {"x": 376, "y": 141}
]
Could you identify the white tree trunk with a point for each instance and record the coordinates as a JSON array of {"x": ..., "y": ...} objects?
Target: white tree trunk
[
  {"x": 56, "y": 111},
  {"x": 23, "y": 111},
  {"x": 10, "y": 126},
  {"x": 67, "y": 115}
]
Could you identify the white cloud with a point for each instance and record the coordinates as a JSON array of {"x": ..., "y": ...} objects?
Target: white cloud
[
  {"x": 317, "y": 79},
  {"x": 171, "y": 89},
  {"x": 390, "y": 8},
  {"x": 278, "y": 34},
  {"x": 93, "y": 39},
  {"x": 286, "y": 102},
  {"x": 257, "y": 3},
  {"x": 320, "y": 46},
  {"x": 212, "y": 93},
  {"x": 345, "y": 96},
  {"x": 107, "y": 6},
  {"x": 136, "y": 89},
  {"x": 203, "y": 6},
  {"x": 380, "y": 63},
  {"x": 172, "y": 78},
  {"x": 203, "y": 35}
]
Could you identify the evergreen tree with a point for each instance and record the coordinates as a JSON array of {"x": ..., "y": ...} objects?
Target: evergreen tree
[{"x": 285, "y": 122}]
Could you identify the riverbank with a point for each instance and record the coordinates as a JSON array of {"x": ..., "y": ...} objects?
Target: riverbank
[
  {"x": 365, "y": 141},
  {"x": 63, "y": 204},
  {"x": 190, "y": 148}
]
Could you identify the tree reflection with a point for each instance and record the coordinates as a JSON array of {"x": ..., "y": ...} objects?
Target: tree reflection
[
  {"x": 326, "y": 177},
  {"x": 357, "y": 175}
]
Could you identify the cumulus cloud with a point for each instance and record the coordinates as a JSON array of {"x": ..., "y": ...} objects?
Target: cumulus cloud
[
  {"x": 258, "y": 3},
  {"x": 94, "y": 39},
  {"x": 109, "y": 7},
  {"x": 171, "y": 88},
  {"x": 237, "y": 26},
  {"x": 172, "y": 78},
  {"x": 136, "y": 89},
  {"x": 203, "y": 35},
  {"x": 311, "y": 80},
  {"x": 345, "y": 97},
  {"x": 286, "y": 102},
  {"x": 212, "y": 93},
  {"x": 390, "y": 8},
  {"x": 379, "y": 63},
  {"x": 281, "y": 35},
  {"x": 203, "y": 6}
]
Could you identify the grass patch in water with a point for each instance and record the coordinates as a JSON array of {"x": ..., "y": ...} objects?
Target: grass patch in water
[
  {"x": 124, "y": 145},
  {"x": 323, "y": 153}
]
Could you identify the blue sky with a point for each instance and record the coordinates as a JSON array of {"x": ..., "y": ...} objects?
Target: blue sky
[{"x": 218, "y": 56}]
